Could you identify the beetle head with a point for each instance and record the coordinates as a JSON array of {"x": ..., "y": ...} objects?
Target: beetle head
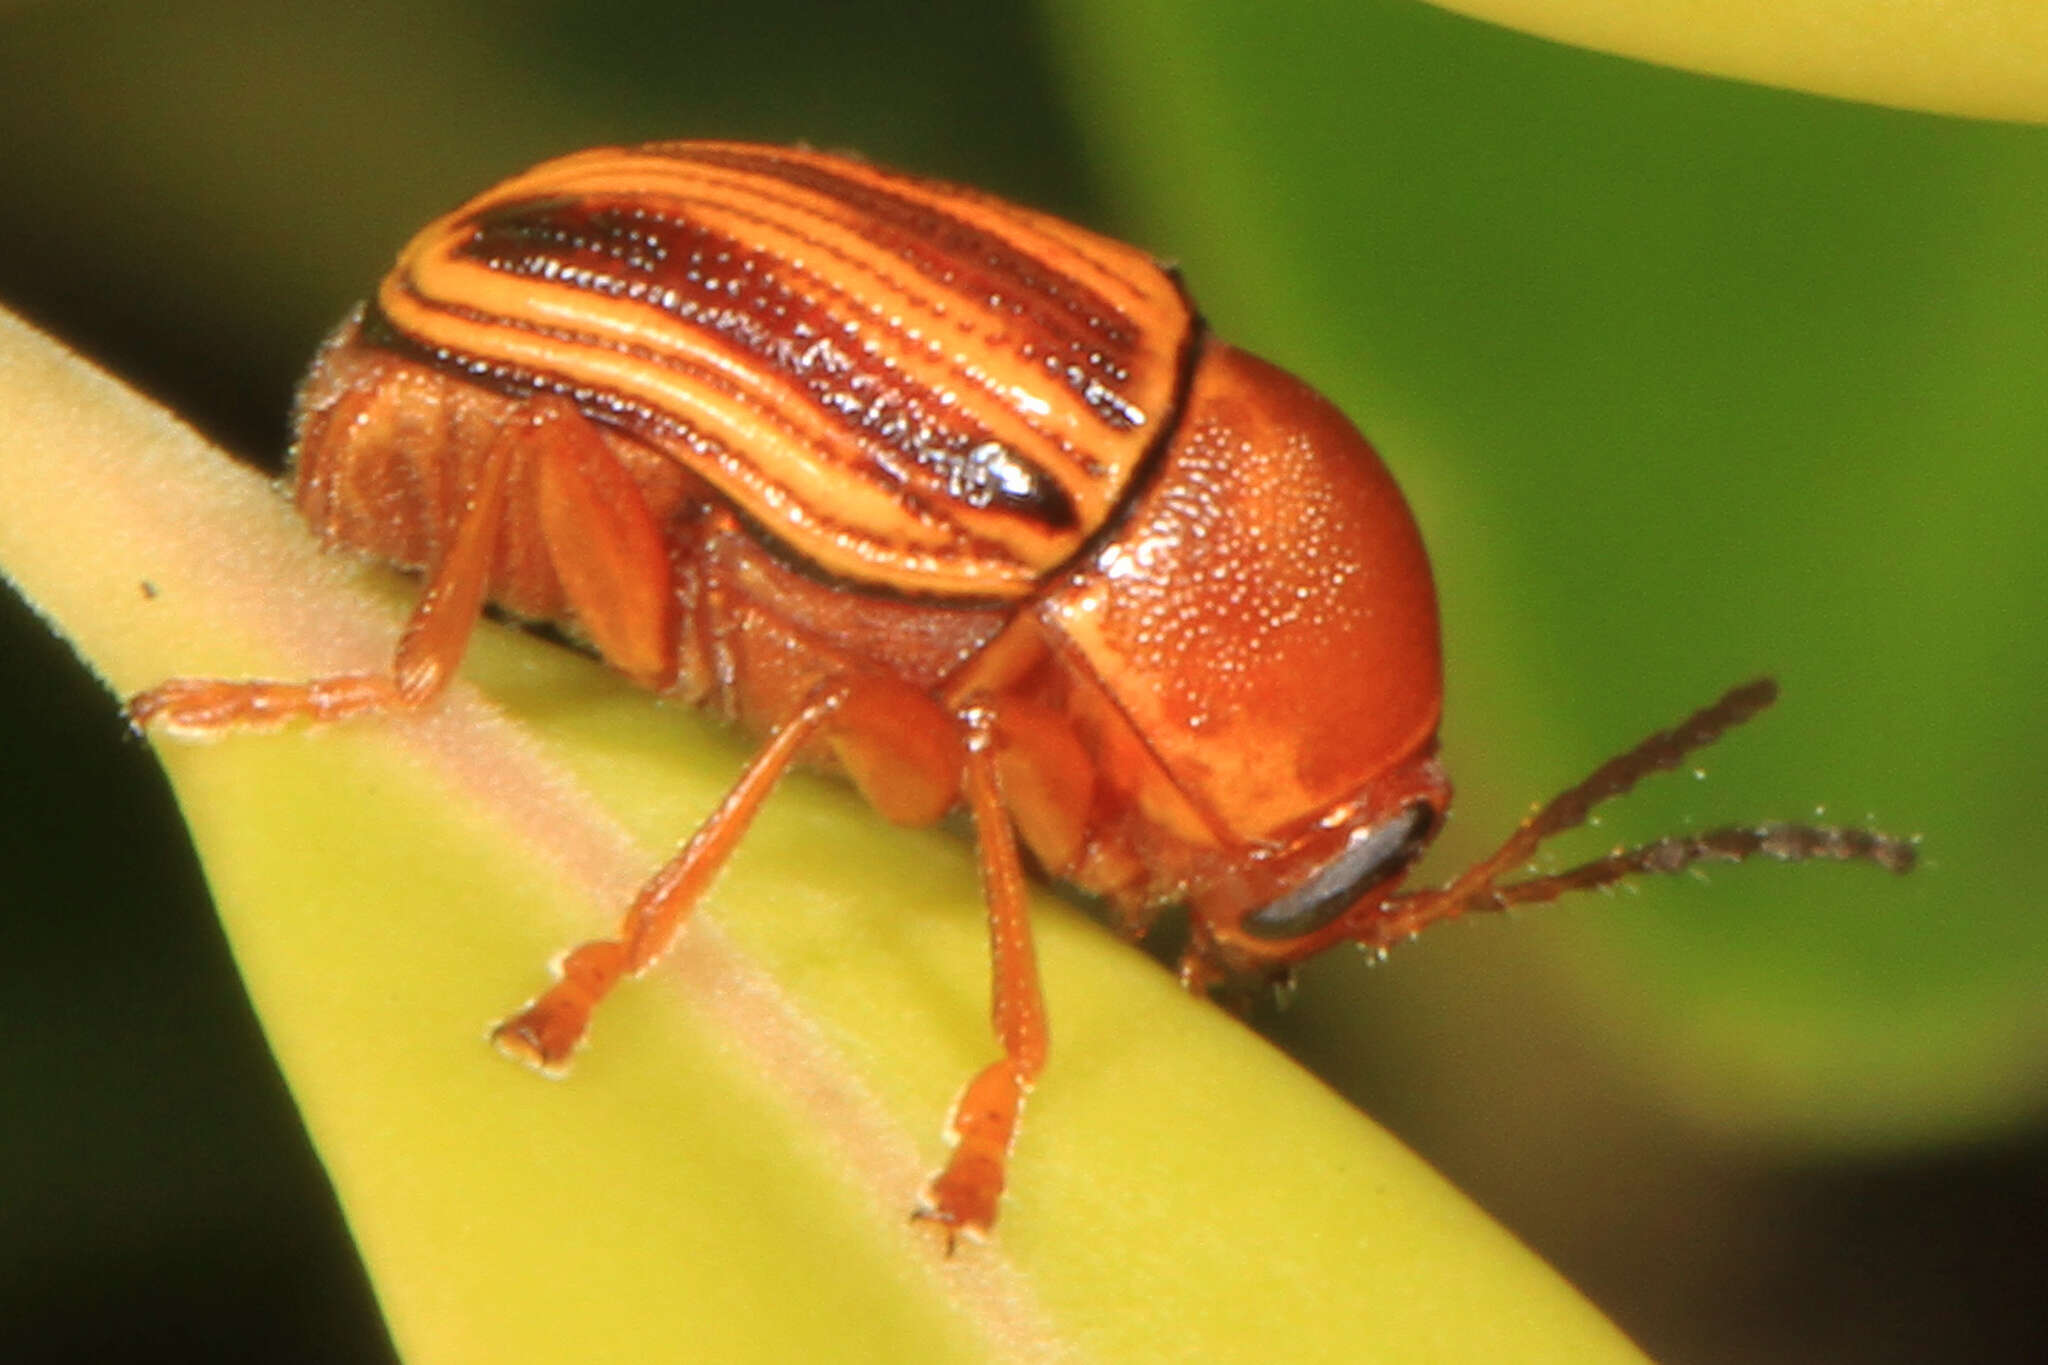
[{"x": 1309, "y": 893}]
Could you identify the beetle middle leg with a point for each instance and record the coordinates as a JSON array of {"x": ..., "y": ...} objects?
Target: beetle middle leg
[{"x": 854, "y": 713}]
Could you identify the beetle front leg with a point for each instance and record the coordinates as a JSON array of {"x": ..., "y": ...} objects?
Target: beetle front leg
[
  {"x": 429, "y": 650},
  {"x": 964, "y": 1196}
]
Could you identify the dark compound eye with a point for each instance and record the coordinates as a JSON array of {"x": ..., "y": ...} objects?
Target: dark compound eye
[{"x": 1369, "y": 857}]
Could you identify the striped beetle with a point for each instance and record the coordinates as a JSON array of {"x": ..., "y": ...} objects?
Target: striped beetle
[{"x": 953, "y": 497}]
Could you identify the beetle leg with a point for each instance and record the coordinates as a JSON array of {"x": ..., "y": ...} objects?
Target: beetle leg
[
  {"x": 963, "y": 1197},
  {"x": 1049, "y": 786},
  {"x": 604, "y": 545},
  {"x": 546, "y": 1032},
  {"x": 428, "y": 652},
  {"x": 900, "y": 748}
]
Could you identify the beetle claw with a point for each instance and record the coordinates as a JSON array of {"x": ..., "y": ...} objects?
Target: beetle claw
[
  {"x": 957, "y": 1214},
  {"x": 523, "y": 1040}
]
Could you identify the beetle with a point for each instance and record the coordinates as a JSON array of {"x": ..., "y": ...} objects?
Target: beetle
[{"x": 953, "y": 497}]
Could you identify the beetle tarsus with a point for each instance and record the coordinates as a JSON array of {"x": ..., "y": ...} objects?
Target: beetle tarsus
[
  {"x": 964, "y": 1196},
  {"x": 205, "y": 706},
  {"x": 546, "y": 1033}
]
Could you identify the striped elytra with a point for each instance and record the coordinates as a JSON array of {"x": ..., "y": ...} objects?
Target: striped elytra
[
  {"x": 949, "y": 496},
  {"x": 908, "y": 385}
]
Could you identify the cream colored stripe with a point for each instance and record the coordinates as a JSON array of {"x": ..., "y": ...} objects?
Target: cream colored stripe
[{"x": 1123, "y": 275}]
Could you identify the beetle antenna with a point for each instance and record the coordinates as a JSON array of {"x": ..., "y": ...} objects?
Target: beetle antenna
[
  {"x": 1480, "y": 887},
  {"x": 1731, "y": 844},
  {"x": 1568, "y": 810}
]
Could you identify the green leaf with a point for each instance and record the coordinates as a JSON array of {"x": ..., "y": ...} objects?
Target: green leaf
[{"x": 727, "y": 1173}]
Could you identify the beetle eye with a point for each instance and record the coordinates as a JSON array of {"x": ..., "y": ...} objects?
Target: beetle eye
[{"x": 1369, "y": 857}]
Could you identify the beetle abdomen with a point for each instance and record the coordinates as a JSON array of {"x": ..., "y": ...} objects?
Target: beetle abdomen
[{"x": 912, "y": 385}]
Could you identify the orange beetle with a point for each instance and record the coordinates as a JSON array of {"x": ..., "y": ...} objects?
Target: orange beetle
[{"x": 951, "y": 496}]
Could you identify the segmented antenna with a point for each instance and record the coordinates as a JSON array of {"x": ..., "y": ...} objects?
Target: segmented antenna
[{"x": 1480, "y": 887}]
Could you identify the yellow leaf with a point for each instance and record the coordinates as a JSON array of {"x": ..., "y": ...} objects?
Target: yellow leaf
[
  {"x": 726, "y": 1175},
  {"x": 1983, "y": 59}
]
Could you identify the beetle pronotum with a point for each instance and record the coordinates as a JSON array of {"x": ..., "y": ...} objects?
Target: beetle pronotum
[{"x": 954, "y": 497}]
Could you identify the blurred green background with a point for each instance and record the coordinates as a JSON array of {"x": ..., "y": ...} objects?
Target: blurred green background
[{"x": 1686, "y": 379}]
